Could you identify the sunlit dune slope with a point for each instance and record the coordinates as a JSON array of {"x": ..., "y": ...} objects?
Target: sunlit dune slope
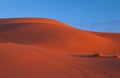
[
  {"x": 54, "y": 35},
  {"x": 21, "y": 61}
]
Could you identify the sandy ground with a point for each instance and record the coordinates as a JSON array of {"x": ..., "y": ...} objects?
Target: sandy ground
[{"x": 45, "y": 48}]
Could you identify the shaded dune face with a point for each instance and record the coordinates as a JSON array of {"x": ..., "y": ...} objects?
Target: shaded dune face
[{"x": 54, "y": 35}]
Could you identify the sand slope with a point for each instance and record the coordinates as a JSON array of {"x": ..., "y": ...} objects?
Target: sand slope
[{"x": 45, "y": 48}]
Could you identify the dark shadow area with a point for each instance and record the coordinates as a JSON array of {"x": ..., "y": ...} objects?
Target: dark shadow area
[
  {"x": 96, "y": 55},
  {"x": 83, "y": 55},
  {"x": 6, "y": 27}
]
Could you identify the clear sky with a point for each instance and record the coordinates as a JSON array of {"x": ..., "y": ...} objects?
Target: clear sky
[{"x": 84, "y": 14}]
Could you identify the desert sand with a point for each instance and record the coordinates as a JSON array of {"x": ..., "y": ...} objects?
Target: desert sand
[{"x": 46, "y": 48}]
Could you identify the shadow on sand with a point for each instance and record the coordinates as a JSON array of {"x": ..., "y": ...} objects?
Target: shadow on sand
[{"x": 98, "y": 55}]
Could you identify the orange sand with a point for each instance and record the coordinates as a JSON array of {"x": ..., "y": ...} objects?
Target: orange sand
[{"x": 45, "y": 48}]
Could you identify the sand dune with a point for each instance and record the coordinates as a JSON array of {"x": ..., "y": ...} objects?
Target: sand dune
[{"x": 45, "y": 48}]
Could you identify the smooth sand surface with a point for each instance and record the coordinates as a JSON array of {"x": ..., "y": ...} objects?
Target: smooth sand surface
[{"x": 45, "y": 48}]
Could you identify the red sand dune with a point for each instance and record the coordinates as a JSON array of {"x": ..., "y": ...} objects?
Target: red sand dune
[{"x": 45, "y": 48}]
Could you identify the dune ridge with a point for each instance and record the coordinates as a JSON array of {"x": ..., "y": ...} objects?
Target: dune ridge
[
  {"x": 46, "y": 48},
  {"x": 63, "y": 35}
]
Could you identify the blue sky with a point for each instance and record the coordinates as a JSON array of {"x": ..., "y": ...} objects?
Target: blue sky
[{"x": 78, "y": 13}]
